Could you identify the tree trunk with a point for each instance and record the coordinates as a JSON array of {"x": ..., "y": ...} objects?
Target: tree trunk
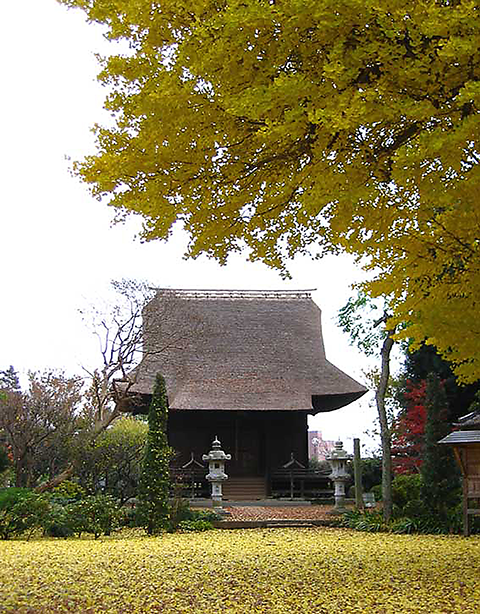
[
  {"x": 22, "y": 474},
  {"x": 384, "y": 427},
  {"x": 55, "y": 481}
]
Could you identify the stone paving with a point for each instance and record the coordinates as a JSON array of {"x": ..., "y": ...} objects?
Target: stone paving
[{"x": 251, "y": 513}]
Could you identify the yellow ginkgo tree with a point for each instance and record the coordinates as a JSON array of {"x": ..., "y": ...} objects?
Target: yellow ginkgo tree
[{"x": 282, "y": 127}]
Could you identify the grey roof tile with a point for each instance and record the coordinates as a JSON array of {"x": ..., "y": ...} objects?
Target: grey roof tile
[{"x": 459, "y": 437}]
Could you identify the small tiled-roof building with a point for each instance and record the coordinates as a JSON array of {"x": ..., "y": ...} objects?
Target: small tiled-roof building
[
  {"x": 247, "y": 366},
  {"x": 466, "y": 446}
]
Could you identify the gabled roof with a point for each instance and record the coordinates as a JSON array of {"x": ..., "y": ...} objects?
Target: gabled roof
[{"x": 241, "y": 350}]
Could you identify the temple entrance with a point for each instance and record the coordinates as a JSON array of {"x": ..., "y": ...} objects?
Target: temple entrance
[
  {"x": 260, "y": 443},
  {"x": 248, "y": 453}
]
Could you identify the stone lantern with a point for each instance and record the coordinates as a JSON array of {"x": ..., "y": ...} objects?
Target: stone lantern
[
  {"x": 339, "y": 475},
  {"x": 216, "y": 470}
]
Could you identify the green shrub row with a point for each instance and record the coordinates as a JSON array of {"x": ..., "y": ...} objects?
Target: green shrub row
[
  {"x": 22, "y": 512},
  {"x": 68, "y": 511},
  {"x": 373, "y": 522},
  {"x": 411, "y": 511}
]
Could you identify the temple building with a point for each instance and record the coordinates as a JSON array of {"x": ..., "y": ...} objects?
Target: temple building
[{"x": 245, "y": 366}]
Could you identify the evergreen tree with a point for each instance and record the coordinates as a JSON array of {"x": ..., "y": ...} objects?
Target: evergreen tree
[
  {"x": 155, "y": 480},
  {"x": 409, "y": 425},
  {"x": 420, "y": 363},
  {"x": 440, "y": 488}
]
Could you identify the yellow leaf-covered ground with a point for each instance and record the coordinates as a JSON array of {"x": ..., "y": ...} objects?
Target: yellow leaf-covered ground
[{"x": 255, "y": 571}]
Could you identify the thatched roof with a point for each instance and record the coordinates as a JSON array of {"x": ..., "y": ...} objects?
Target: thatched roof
[{"x": 229, "y": 350}]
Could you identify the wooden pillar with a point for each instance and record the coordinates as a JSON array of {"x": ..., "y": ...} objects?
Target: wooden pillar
[
  {"x": 267, "y": 460},
  {"x": 357, "y": 469},
  {"x": 236, "y": 435},
  {"x": 462, "y": 461}
]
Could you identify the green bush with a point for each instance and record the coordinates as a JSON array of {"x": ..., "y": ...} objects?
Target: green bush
[
  {"x": 21, "y": 511},
  {"x": 181, "y": 512},
  {"x": 406, "y": 488},
  {"x": 371, "y": 473},
  {"x": 402, "y": 525},
  {"x": 68, "y": 490},
  {"x": 371, "y": 522},
  {"x": 62, "y": 520},
  {"x": 187, "y": 513},
  {"x": 407, "y": 496},
  {"x": 409, "y": 502},
  {"x": 59, "y": 522},
  {"x": 97, "y": 514},
  {"x": 377, "y": 491},
  {"x": 195, "y": 525},
  {"x": 129, "y": 517},
  {"x": 455, "y": 520},
  {"x": 208, "y": 515}
]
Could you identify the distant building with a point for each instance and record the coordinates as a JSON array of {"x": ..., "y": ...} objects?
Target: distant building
[{"x": 318, "y": 447}]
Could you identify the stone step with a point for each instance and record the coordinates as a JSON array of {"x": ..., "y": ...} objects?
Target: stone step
[{"x": 272, "y": 524}]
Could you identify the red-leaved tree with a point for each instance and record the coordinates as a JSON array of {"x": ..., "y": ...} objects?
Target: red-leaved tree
[{"x": 408, "y": 433}]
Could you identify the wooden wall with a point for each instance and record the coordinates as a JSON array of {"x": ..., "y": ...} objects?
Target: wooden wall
[
  {"x": 472, "y": 462},
  {"x": 468, "y": 457}
]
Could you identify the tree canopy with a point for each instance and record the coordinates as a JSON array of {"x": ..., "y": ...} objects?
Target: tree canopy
[
  {"x": 305, "y": 126},
  {"x": 39, "y": 422}
]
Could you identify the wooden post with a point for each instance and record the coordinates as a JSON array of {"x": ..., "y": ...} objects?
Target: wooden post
[
  {"x": 357, "y": 470},
  {"x": 466, "y": 519}
]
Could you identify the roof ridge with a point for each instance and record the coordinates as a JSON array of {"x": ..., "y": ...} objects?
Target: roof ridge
[{"x": 239, "y": 294}]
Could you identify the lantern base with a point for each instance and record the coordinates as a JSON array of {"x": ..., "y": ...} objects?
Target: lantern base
[
  {"x": 218, "y": 508},
  {"x": 338, "y": 510}
]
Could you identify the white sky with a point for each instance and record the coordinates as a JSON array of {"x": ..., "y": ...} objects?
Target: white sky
[{"x": 58, "y": 249}]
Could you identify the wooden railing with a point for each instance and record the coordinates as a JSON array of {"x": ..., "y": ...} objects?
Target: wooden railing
[
  {"x": 293, "y": 480},
  {"x": 190, "y": 478}
]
